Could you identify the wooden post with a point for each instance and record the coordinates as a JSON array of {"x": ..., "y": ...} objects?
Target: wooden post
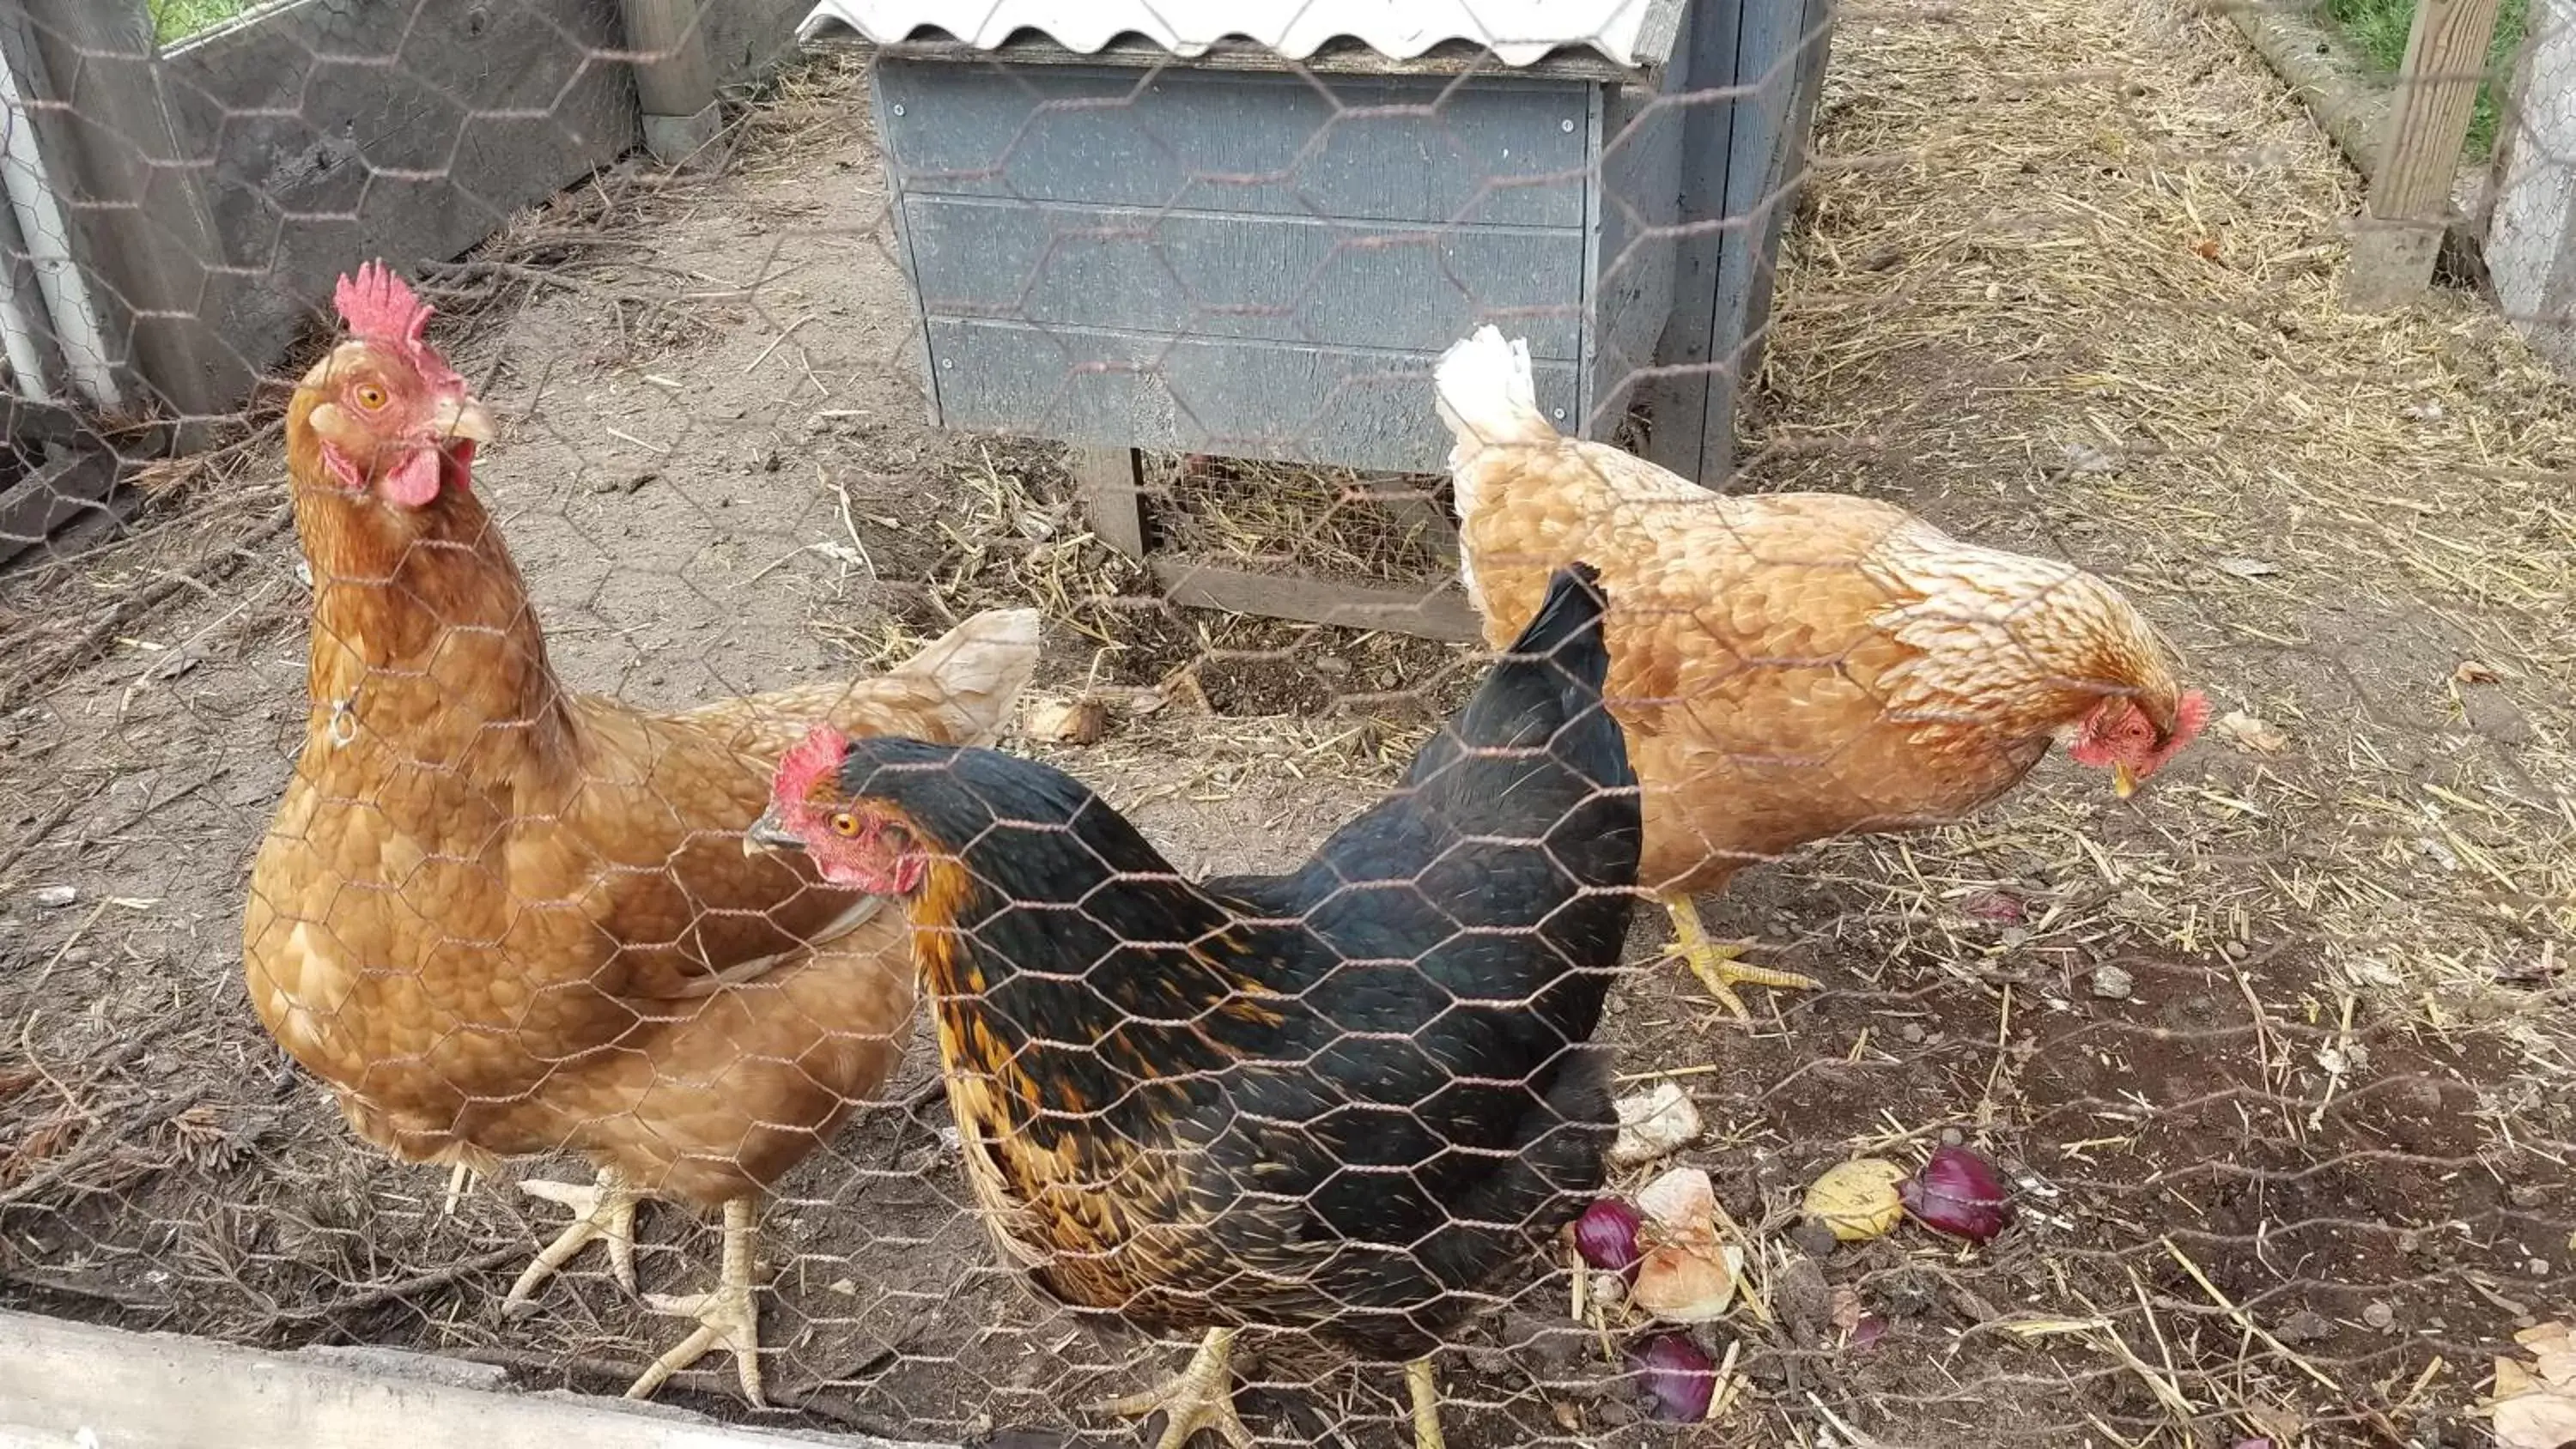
[
  {"x": 675, "y": 82},
  {"x": 1113, "y": 496},
  {"x": 2399, "y": 233},
  {"x": 143, "y": 235}
]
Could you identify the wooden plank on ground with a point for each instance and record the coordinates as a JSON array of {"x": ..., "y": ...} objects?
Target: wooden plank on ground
[
  {"x": 2399, "y": 233},
  {"x": 1113, "y": 497},
  {"x": 1433, "y": 613},
  {"x": 33, "y": 507},
  {"x": 67, "y": 1385}
]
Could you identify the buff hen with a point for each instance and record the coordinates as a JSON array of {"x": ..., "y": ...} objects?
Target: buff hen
[
  {"x": 1798, "y": 666},
  {"x": 500, "y": 918}
]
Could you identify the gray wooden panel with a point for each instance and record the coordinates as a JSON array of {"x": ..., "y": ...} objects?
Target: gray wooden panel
[
  {"x": 1245, "y": 399},
  {"x": 1287, "y": 279},
  {"x": 142, "y": 220},
  {"x": 1780, "y": 62},
  {"x": 1632, "y": 291},
  {"x": 1499, "y": 151},
  {"x": 1752, "y": 70},
  {"x": 409, "y": 129},
  {"x": 746, "y": 39}
]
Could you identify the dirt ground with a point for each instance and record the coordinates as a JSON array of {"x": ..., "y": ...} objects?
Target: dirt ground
[{"x": 2276, "y": 1052}]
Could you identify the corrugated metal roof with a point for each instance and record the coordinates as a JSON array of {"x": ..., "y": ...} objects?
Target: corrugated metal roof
[{"x": 1517, "y": 32}]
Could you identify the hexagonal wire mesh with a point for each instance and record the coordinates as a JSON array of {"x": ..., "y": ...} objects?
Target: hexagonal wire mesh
[{"x": 2272, "y": 1055}]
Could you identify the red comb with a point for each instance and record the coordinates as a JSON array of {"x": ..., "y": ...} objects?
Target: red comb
[
  {"x": 376, "y": 305},
  {"x": 805, "y": 766}
]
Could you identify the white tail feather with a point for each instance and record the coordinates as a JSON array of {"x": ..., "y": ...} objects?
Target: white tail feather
[
  {"x": 1487, "y": 396},
  {"x": 982, "y": 664}
]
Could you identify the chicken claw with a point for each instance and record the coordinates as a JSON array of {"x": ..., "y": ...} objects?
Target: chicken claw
[
  {"x": 1716, "y": 964},
  {"x": 728, "y": 1318},
  {"x": 461, "y": 1179},
  {"x": 602, "y": 1212},
  {"x": 1202, "y": 1397}
]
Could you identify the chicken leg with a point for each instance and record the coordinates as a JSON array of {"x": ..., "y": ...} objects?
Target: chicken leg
[
  {"x": 1418, "y": 1380},
  {"x": 1201, "y": 1397},
  {"x": 602, "y": 1212},
  {"x": 728, "y": 1315},
  {"x": 1716, "y": 964}
]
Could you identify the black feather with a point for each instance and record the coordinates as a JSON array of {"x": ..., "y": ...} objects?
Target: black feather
[{"x": 1342, "y": 1097}]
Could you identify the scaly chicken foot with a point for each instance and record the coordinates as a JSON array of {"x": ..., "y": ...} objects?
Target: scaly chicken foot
[
  {"x": 1201, "y": 1397},
  {"x": 1425, "y": 1389},
  {"x": 1716, "y": 964},
  {"x": 728, "y": 1317},
  {"x": 602, "y": 1212}
]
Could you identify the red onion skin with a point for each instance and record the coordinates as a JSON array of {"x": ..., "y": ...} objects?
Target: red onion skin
[
  {"x": 1680, "y": 1377},
  {"x": 1606, "y": 1236},
  {"x": 1959, "y": 1193}
]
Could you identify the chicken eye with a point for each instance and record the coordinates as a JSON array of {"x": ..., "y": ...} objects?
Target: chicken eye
[
  {"x": 371, "y": 397},
  {"x": 845, "y": 824}
]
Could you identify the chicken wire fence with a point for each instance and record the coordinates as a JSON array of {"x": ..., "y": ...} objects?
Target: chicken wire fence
[{"x": 2268, "y": 1057}]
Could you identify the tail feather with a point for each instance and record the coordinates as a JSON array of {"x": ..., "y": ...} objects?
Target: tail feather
[
  {"x": 958, "y": 690},
  {"x": 1546, "y": 687},
  {"x": 1487, "y": 395},
  {"x": 981, "y": 665},
  {"x": 1566, "y": 632}
]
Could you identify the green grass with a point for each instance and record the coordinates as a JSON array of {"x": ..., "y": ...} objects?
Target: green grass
[
  {"x": 178, "y": 19},
  {"x": 2379, "y": 27}
]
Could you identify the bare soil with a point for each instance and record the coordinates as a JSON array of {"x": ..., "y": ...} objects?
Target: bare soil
[{"x": 2265, "y": 1192}]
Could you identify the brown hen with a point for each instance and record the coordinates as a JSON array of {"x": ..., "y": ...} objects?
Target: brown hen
[
  {"x": 503, "y": 919},
  {"x": 1793, "y": 667}
]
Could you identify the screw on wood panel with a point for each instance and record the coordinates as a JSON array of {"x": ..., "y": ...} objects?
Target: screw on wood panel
[
  {"x": 897, "y": 108},
  {"x": 1566, "y": 125},
  {"x": 1560, "y": 414}
]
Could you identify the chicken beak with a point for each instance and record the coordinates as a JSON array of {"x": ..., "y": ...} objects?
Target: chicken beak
[
  {"x": 766, "y": 837},
  {"x": 2124, "y": 780},
  {"x": 461, "y": 419}
]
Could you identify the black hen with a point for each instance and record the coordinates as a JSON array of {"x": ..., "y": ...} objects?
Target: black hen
[{"x": 1339, "y": 1099}]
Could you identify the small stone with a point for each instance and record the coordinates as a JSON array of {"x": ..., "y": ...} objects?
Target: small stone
[
  {"x": 55, "y": 897},
  {"x": 1911, "y": 1032},
  {"x": 2379, "y": 1316},
  {"x": 1812, "y": 1238},
  {"x": 2111, "y": 983},
  {"x": 2233, "y": 950},
  {"x": 1608, "y": 1289},
  {"x": 1953, "y": 1137},
  {"x": 2304, "y": 1326},
  {"x": 2527, "y": 1195},
  {"x": 1654, "y": 1124}
]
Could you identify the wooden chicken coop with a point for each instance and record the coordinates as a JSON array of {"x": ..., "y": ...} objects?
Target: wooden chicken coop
[{"x": 1249, "y": 229}]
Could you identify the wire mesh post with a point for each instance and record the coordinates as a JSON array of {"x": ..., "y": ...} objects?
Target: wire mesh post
[{"x": 2531, "y": 236}]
